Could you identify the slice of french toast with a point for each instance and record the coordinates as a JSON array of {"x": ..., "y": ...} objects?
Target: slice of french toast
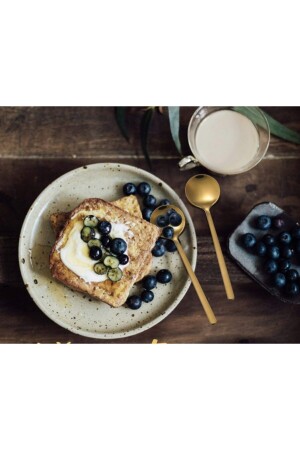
[
  {"x": 140, "y": 236},
  {"x": 129, "y": 204}
]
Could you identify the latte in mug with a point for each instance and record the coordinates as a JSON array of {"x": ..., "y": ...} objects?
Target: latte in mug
[{"x": 225, "y": 141}]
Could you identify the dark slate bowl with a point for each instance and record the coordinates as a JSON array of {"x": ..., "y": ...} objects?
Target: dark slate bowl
[{"x": 251, "y": 263}]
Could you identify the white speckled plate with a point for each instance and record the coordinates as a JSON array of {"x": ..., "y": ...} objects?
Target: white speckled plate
[{"x": 76, "y": 311}]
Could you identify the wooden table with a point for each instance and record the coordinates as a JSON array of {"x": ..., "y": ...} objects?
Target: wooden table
[{"x": 39, "y": 144}]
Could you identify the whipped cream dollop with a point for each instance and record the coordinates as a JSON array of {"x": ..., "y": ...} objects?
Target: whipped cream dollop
[{"x": 75, "y": 253}]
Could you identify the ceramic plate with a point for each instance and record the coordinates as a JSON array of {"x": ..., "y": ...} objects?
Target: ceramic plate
[{"x": 76, "y": 311}]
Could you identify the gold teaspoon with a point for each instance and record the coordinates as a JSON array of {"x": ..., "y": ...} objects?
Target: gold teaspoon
[
  {"x": 203, "y": 191},
  {"x": 162, "y": 210}
]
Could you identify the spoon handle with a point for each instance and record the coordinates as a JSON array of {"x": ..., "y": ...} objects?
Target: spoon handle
[
  {"x": 221, "y": 261},
  {"x": 202, "y": 297}
]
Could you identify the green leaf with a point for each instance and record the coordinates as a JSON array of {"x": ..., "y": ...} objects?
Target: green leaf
[
  {"x": 144, "y": 130},
  {"x": 174, "y": 118},
  {"x": 120, "y": 115},
  {"x": 276, "y": 128}
]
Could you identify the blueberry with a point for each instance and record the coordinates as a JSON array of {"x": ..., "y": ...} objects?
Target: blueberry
[
  {"x": 95, "y": 253},
  {"x": 158, "y": 250},
  {"x": 105, "y": 240},
  {"x": 286, "y": 251},
  {"x": 263, "y": 222},
  {"x": 164, "y": 202},
  {"x": 268, "y": 239},
  {"x": 260, "y": 249},
  {"x": 278, "y": 222},
  {"x": 144, "y": 189},
  {"x": 273, "y": 252},
  {"x": 284, "y": 265},
  {"x": 149, "y": 282},
  {"x": 285, "y": 237},
  {"x": 118, "y": 246},
  {"x": 129, "y": 189},
  {"x": 279, "y": 280},
  {"x": 162, "y": 221},
  {"x": 292, "y": 275},
  {"x": 147, "y": 296},
  {"x": 164, "y": 276},
  {"x": 175, "y": 219},
  {"x": 149, "y": 201},
  {"x": 270, "y": 266},
  {"x": 134, "y": 302},
  {"x": 170, "y": 246},
  {"x": 146, "y": 212},
  {"x": 168, "y": 232},
  {"x": 296, "y": 232},
  {"x": 292, "y": 288},
  {"x": 248, "y": 240},
  {"x": 162, "y": 241},
  {"x": 170, "y": 211},
  {"x": 104, "y": 227},
  {"x": 123, "y": 259}
]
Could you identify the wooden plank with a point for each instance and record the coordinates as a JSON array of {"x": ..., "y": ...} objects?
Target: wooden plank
[{"x": 92, "y": 133}]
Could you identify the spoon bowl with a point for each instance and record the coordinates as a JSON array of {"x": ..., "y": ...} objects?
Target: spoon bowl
[
  {"x": 161, "y": 211},
  {"x": 202, "y": 191}
]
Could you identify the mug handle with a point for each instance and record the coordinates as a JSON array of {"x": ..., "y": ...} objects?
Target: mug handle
[{"x": 188, "y": 162}]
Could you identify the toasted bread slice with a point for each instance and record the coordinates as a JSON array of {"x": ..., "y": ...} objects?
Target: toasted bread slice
[
  {"x": 129, "y": 204},
  {"x": 140, "y": 236}
]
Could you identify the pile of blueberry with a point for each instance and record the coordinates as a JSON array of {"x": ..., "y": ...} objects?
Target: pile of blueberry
[
  {"x": 279, "y": 252},
  {"x": 109, "y": 253},
  {"x": 163, "y": 276},
  {"x": 164, "y": 243}
]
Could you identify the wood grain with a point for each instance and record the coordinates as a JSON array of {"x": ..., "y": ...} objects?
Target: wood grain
[{"x": 38, "y": 144}]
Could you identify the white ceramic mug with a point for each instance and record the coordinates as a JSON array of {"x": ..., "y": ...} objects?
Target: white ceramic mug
[{"x": 227, "y": 141}]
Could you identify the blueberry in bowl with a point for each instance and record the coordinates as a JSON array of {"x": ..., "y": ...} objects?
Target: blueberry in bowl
[
  {"x": 248, "y": 240},
  {"x": 270, "y": 266},
  {"x": 284, "y": 265},
  {"x": 292, "y": 289},
  {"x": 292, "y": 275},
  {"x": 285, "y": 237},
  {"x": 279, "y": 280},
  {"x": 263, "y": 222},
  {"x": 269, "y": 239},
  {"x": 260, "y": 249},
  {"x": 273, "y": 252}
]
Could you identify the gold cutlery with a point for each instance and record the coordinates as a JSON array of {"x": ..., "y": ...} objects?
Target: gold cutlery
[
  {"x": 162, "y": 210},
  {"x": 203, "y": 191}
]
